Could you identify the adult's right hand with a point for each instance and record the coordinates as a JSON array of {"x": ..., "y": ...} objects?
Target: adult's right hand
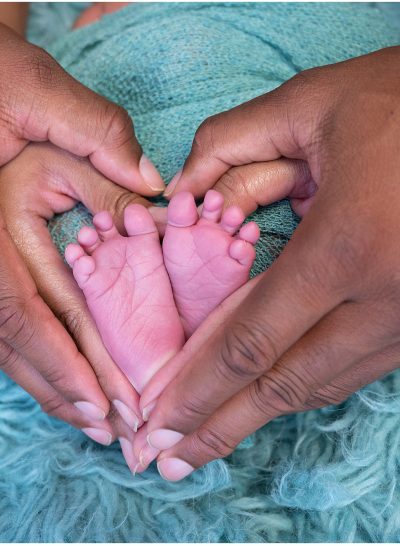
[
  {"x": 39, "y": 101},
  {"x": 35, "y": 349}
]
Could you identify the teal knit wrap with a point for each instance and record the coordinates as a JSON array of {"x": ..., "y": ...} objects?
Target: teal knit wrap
[{"x": 326, "y": 475}]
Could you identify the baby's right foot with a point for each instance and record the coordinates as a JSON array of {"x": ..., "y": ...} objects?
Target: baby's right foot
[{"x": 205, "y": 261}]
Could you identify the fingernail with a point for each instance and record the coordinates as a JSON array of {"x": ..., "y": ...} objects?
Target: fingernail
[
  {"x": 174, "y": 469},
  {"x": 127, "y": 415},
  {"x": 147, "y": 455},
  {"x": 163, "y": 439},
  {"x": 147, "y": 411},
  {"x": 137, "y": 468},
  {"x": 127, "y": 451},
  {"x": 150, "y": 174},
  {"x": 101, "y": 436},
  {"x": 91, "y": 410},
  {"x": 172, "y": 184}
]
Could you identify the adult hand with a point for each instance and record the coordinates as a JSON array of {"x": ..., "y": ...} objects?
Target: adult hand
[
  {"x": 39, "y": 101},
  {"x": 324, "y": 320},
  {"x": 36, "y": 350}
]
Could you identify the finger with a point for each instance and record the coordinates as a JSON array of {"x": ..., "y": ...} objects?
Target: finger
[
  {"x": 58, "y": 288},
  {"x": 173, "y": 467},
  {"x": 168, "y": 372},
  {"x": 51, "y": 402},
  {"x": 83, "y": 183},
  {"x": 252, "y": 341},
  {"x": 325, "y": 353},
  {"x": 28, "y": 326},
  {"x": 62, "y": 176},
  {"x": 263, "y": 129},
  {"x": 369, "y": 370},
  {"x": 260, "y": 184},
  {"x": 60, "y": 109}
]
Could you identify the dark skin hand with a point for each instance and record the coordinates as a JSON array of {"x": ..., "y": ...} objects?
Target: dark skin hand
[
  {"x": 40, "y": 102},
  {"x": 324, "y": 319},
  {"x": 41, "y": 181}
]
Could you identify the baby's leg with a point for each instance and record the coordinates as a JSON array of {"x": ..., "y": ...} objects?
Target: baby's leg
[
  {"x": 205, "y": 259},
  {"x": 128, "y": 292},
  {"x": 96, "y": 11}
]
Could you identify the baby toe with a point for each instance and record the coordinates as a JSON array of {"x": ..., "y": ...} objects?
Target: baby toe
[
  {"x": 232, "y": 219},
  {"x": 212, "y": 206},
  {"x": 104, "y": 224},
  {"x": 88, "y": 239},
  {"x": 72, "y": 253},
  {"x": 138, "y": 220},
  {"x": 250, "y": 232},
  {"x": 243, "y": 252},
  {"x": 83, "y": 268},
  {"x": 182, "y": 210}
]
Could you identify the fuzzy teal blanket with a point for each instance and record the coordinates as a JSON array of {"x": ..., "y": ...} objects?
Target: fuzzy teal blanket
[{"x": 326, "y": 475}]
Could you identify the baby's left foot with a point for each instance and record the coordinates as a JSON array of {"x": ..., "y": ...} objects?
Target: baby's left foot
[
  {"x": 206, "y": 260},
  {"x": 128, "y": 292}
]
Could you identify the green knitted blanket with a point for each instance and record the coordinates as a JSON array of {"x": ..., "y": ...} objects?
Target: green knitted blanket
[{"x": 327, "y": 475}]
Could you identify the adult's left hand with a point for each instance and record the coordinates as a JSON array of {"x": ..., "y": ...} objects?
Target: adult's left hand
[
  {"x": 209, "y": 425},
  {"x": 42, "y": 181},
  {"x": 323, "y": 320}
]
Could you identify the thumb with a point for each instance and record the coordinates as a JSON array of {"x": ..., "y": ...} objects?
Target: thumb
[
  {"x": 44, "y": 103},
  {"x": 266, "y": 128}
]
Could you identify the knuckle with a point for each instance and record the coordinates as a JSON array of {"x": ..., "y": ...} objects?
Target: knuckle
[
  {"x": 73, "y": 320},
  {"x": 211, "y": 443},
  {"x": 233, "y": 182},
  {"x": 281, "y": 391},
  {"x": 117, "y": 124},
  {"x": 15, "y": 325},
  {"x": 204, "y": 141},
  {"x": 41, "y": 69},
  {"x": 194, "y": 408},
  {"x": 52, "y": 405},
  {"x": 121, "y": 201},
  {"x": 8, "y": 360},
  {"x": 332, "y": 394},
  {"x": 248, "y": 350}
]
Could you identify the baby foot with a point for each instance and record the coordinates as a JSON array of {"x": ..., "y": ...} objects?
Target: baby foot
[
  {"x": 128, "y": 292},
  {"x": 204, "y": 260}
]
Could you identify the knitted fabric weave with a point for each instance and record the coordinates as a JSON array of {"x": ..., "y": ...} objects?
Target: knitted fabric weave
[{"x": 327, "y": 475}]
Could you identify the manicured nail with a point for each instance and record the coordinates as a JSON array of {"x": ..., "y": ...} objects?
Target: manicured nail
[
  {"x": 91, "y": 410},
  {"x": 136, "y": 468},
  {"x": 127, "y": 415},
  {"x": 101, "y": 436},
  {"x": 163, "y": 439},
  {"x": 147, "y": 411},
  {"x": 147, "y": 455},
  {"x": 172, "y": 184},
  {"x": 150, "y": 174},
  {"x": 127, "y": 451},
  {"x": 174, "y": 469}
]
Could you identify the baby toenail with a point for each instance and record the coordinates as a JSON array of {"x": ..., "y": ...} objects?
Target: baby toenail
[
  {"x": 91, "y": 410},
  {"x": 174, "y": 469},
  {"x": 127, "y": 415},
  {"x": 101, "y": 436},
  {"x": 163, "y": 439},
  {"x": 150, "y": 174}
]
